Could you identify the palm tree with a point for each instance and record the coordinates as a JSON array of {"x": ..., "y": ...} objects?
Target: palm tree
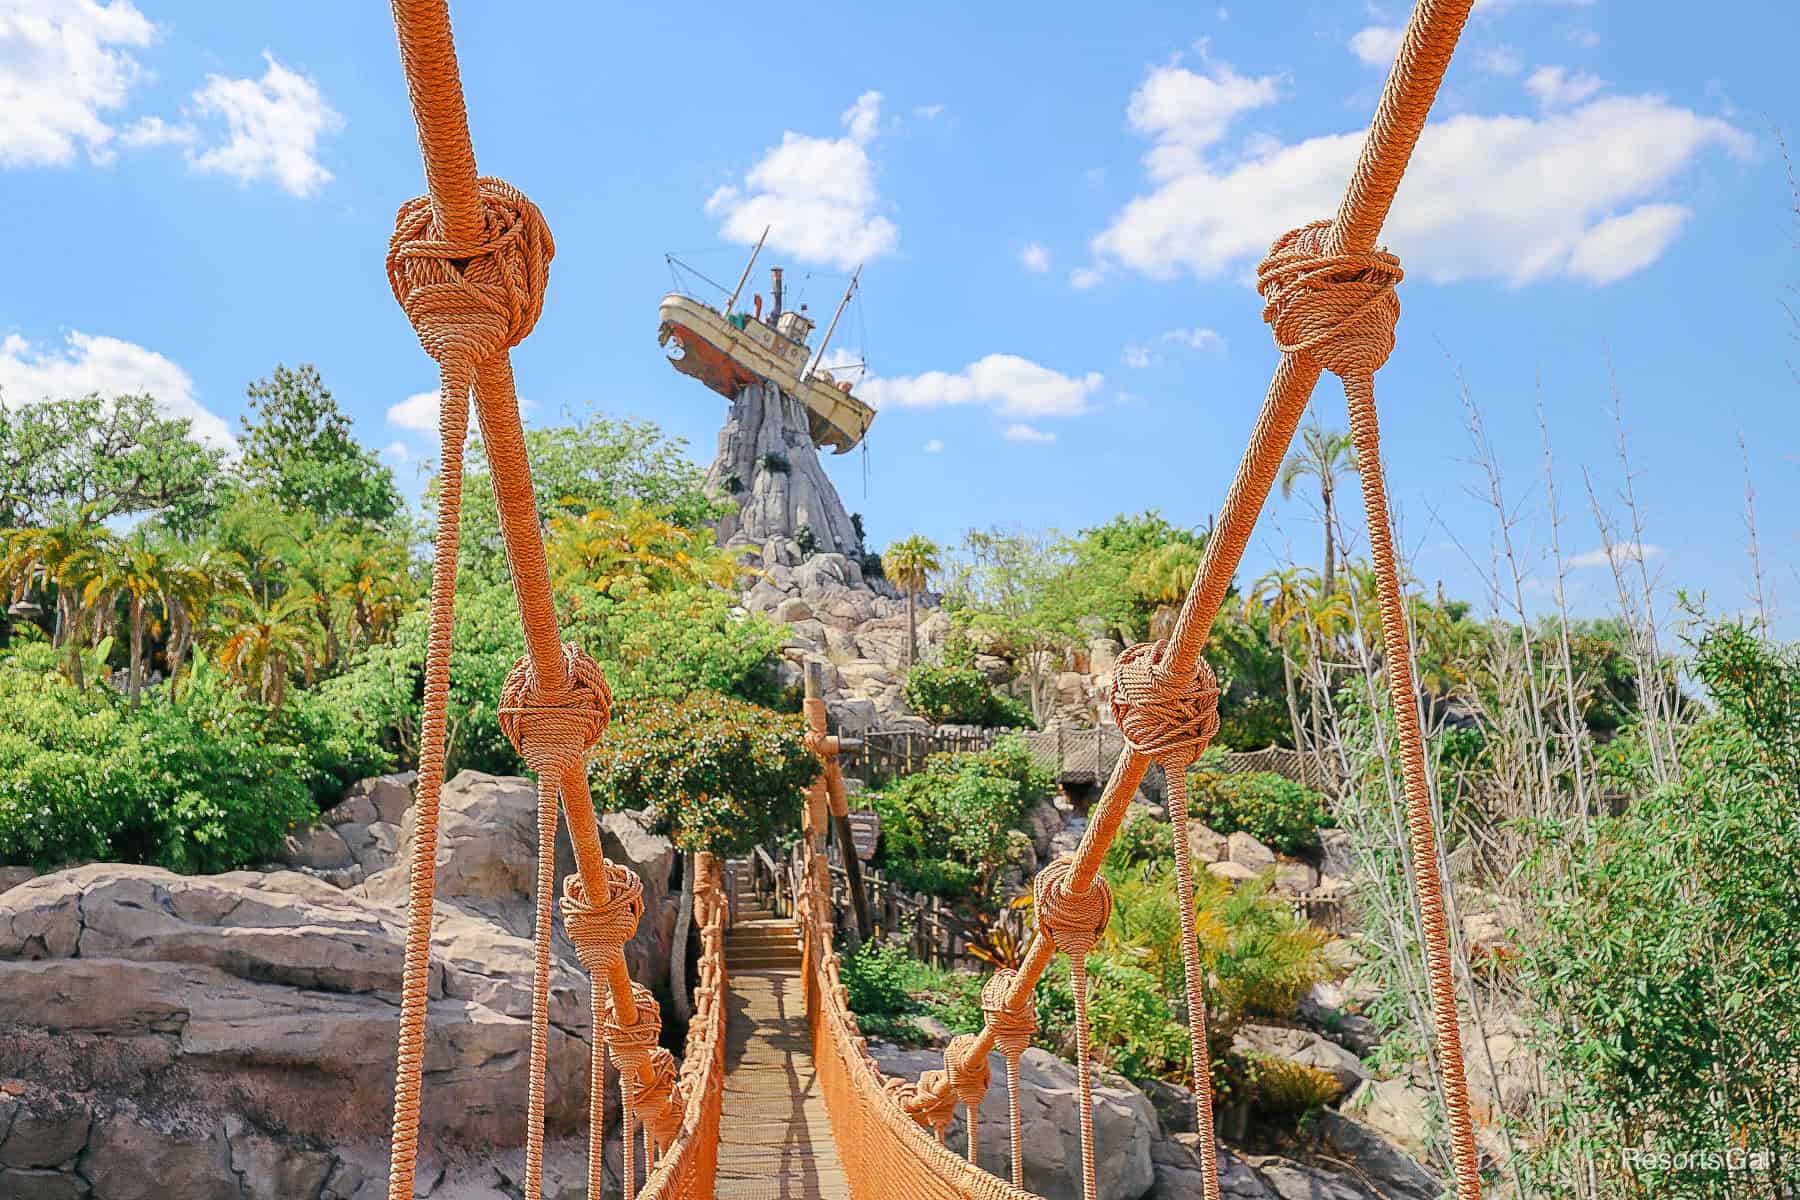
[
  {"x": 267, "y": 641},
  {"x": 195, "y": 581},
  {"x": 1325, "y": 455},
  {"x": 911, "y": 563},
  {"x": 142, "y": 575},
  {"x": 60, "y": 556},
  {"x": 1286, "y": 594},
  {"x": 1163, "y": 576},
  {"x": 375, "y": 584}
]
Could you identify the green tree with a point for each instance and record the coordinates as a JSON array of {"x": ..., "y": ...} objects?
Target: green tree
[
  {"x": 100, "y": 459},
  {"x": 576, "y": 469},
  {"x": 716, "y": 774},
  {"x": 297, "y": 446},
  {"x": 140, "y": 574},
  {"x": 910, "y": 563},
  {"x": 197, "y": 577},
  {"x": 1668, "y": 956},
  {"x": 265, "y": 642},
  {"x": 59, "y": 559},
  {"x": 1327, "y": 456}
]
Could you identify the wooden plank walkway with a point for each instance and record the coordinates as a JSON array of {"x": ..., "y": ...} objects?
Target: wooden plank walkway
[{"x": 774, "y": 1135}]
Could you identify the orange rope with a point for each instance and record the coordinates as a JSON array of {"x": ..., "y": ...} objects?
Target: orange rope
[
  {"x": 1074, "y": 921},
  {"x": 1173, "y": 721},
  {"x": 1013, "y": 1030}
]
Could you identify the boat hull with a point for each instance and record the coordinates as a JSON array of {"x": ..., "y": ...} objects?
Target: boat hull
[{"x": 705, "y": 346}]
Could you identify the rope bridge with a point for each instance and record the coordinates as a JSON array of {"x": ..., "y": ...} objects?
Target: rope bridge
[{"x": 468, "y": 263}]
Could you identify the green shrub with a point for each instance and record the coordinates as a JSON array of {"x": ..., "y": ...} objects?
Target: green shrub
[
  {"x": 1269, "y": 807},
  {"x": 961, "y": 696},
  {"x": 1282, "y": 1087},
  {"x": 1142, "y": 839},
  {"x": 888, "y": 986},
  {"x": 944, "y": 829},
  {"x": 208, "y": 784},
  {"x": 721, "y": 775}
]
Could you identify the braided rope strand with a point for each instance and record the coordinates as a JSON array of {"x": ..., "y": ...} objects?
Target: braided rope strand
[{"x": 409, "y": 1059}]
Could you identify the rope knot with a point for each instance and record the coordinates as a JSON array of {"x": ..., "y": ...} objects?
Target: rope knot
[
  {"x": 1013, "y": 1027},
  {"x": 932, "y": 1102},
  {"x": 468, "y": 301},
  {"x": 600, "y": 931},
  {"x": 1161, "y": 717},
  {"x": 966, "y": 1073},
  {"x": 1339, "y": 310},
  {"x": 659, "y": 1103},
  {"x": 632, "y": 1044},
  {"x": 545, "y": 728},
  {"x": 1074, "y": 920}
]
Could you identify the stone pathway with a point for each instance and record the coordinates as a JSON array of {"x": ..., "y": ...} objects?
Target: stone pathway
[{"x": 774, "y": 1135}]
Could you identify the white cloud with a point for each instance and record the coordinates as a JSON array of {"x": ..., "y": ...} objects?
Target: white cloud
[
  {"x": 1585, "y": 39},
  {"x": 1197, "y": 338},
  {"x": 1012, "y": 386},
  {"x": 1028, "y": 433},
  {"x": 273, "y": 125},
  {"x": 1622, "y": 552},
  {"x": 1083, "y": 278},
  {"x": 154, "y": 131},
  {"x": 929, "y": 112},
  {"x": 1140, "y": 354},
  {"x": 1377, "y": 45},
  {"x": 1517, "y": 198},
  {"x": 934, "y": 446},
  {"x": 1555, "y": 88},
  {"x": 398, "y": 452},
  {"x": 816, "y": 196},
  {"x": 1500, "y": 60},
  {"x": 418, "y": 412},
  {"x": 63, "y": 65},
  {"x": 1034, "y": 258},
  {"x": 1185, "y": 112},
  {"x": 1620, "y": 245},
  {"x": 89, "y": 363}
]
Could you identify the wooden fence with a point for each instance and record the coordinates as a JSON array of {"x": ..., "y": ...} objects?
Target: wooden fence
[{"x": 1073, "y": 754}]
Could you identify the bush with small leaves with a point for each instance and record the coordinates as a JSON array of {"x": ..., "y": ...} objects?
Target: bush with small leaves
[{"x": 1271, "y": 808}]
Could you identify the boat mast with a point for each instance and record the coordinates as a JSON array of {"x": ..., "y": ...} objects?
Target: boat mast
[
  {"x": 832, "y": 328},
  {"x": 746, "y": 275}
]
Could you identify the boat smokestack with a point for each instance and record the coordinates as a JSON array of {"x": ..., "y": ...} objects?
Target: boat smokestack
[{"x": 775, "y": 314}]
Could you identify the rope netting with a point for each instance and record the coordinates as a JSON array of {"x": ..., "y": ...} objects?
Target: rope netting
[{"x": 469, "y": 263}]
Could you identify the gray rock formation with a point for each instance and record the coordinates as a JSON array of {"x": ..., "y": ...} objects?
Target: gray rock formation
[
  {"x": 766, "y": 429},
  {"x": 1124, "y": 1124},
  {"x": 233, "y": 1035}
]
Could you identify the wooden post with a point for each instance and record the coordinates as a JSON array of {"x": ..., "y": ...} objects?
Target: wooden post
[{"x": 838, "y": 802}]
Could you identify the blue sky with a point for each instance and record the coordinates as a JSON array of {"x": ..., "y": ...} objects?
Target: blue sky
[{"x": 1060, "y": 216}]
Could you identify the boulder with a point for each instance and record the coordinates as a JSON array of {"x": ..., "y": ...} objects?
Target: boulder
[
  {"x": 769, "y": 465},
  {"x": 317, "y": 848},
  {"x": 1246, "y": 851},
  {"x": 1204, "y": 845},
  {"x": 1302, "y": 1046},
  {"x": 12, "y": 877},
  {"x": 1392, "y": 1173},
  {"x": 793, "y": 609},
  {"x": 1176, "y": 1161},
  {"x": 1232, "y": 872},
  {"x": 389, "y": 796},
  {"x": 1124, "y": 1124},
  {"x": 1295, "y": 877},
  {"x": 1337, "y": 853},
  {"x": 1043, "y": 821},
  {"x": 851, "y": 717},
  {"x": 1396, "y": 1109},
  {"x": 1323, "y": 1008},
  {"x": 1286, "y": 1179},
  {"x": 763, "y": 597},
  {"x": 626, "y": 838}
]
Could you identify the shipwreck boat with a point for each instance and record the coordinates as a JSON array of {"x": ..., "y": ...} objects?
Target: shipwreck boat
[{"x": 729, "y": 351}]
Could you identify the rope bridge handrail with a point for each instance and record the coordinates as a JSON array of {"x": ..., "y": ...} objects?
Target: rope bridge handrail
[{"x": 1331, "y": 305}]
